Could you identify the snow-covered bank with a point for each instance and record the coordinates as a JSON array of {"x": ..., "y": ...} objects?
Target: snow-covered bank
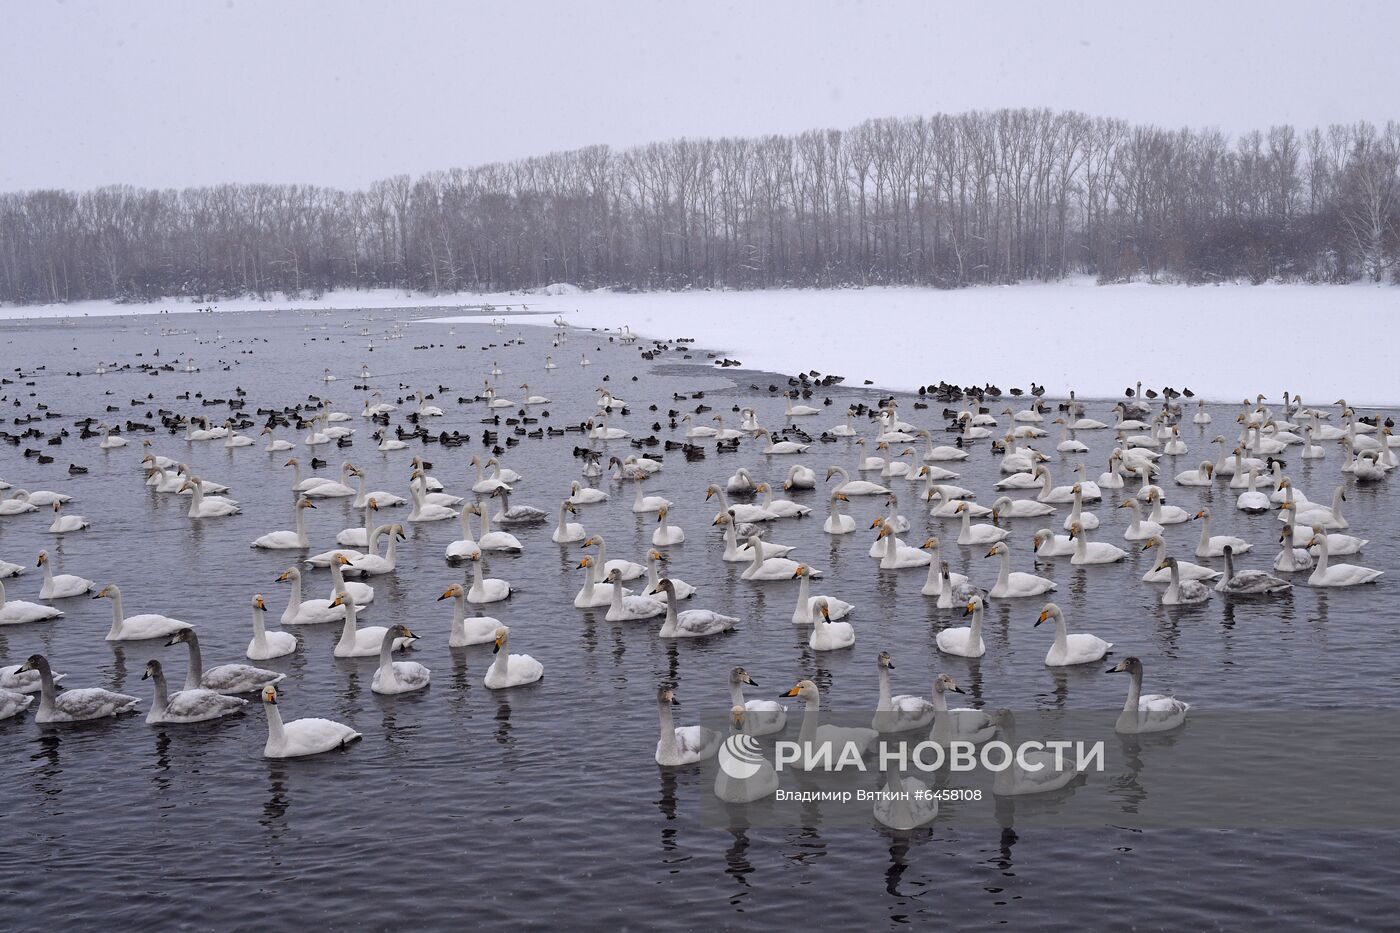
[{"x": 1225, "y": 342}]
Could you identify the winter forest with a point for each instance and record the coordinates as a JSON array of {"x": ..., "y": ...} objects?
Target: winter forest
[{"x": 945, "y": 201}]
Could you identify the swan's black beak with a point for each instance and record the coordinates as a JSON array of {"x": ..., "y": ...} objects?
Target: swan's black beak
[
  {"x": 960, "y": 690},
  {"x": 967, "y": 610},
  {"x": 675, "y": 702}
]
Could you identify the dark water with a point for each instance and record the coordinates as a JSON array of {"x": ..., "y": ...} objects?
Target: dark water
[{"x": 543, "y": 805}]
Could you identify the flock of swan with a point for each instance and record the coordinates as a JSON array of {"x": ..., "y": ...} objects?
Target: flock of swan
[{"x": 919, "y": 510}]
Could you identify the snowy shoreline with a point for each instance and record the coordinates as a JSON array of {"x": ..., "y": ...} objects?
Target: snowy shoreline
[{"x": 1225, "y": 342}]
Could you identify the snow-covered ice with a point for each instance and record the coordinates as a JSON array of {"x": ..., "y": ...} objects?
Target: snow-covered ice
[{"x": 1226, "y": 342}]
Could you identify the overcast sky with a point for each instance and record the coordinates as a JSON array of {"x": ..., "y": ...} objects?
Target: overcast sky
[{"x": 339, "y": 92}]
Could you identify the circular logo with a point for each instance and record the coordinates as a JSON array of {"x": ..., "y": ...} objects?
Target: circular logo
[{"x": 740, "y": 756}]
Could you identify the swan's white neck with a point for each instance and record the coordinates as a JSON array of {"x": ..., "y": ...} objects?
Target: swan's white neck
[
  {"x": 276, "y": 736},
  {"x": 347, "y": 631},
  {"x": 886, "y": 701},
  {"x": 259, "y": 629},
  {"x": 1004, "y": 575},
  {"x": 117, "y": 616}
]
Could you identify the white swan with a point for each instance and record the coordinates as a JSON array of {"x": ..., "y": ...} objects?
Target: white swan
[
  {"x": 392, "y": 676},
  {"x": 1154, "y": 712},
  {"x": 783, "y": 508},
  {"x": 1049, "y": 544},
  {"x": 825, "y": 743},
  {"x": 1160, "y": 573},
  {"x": 423, "y": 510},
  {"x": 684, "y": 745},
  {"x": 898, "y": 713},
  {"x": 476, "y": 630},
  {"x": 564, "y": 533},
  {"x": 808, "y": 606},
  {"x": 837, "y": 522},
  {"x": 1014, "y": 585},
  {"x": 1088, "y": 552},
  {"x": 63, "y": 524},
  {"x": 1020, "y": 508},
  {"x": 59, "y": 586},
  {"x": 763, "y": 717},
  {"x": 362, "y": 593},
  {"x": 289, "y": 540},
  {"x": 382, "y": 497},
  {"x": 1079, "y": 648},
  {"x": 73, "y": 705},
  {"x": 356, "y": 642},
  {"x": 665, "y": 534},
  {"x": 137, "y": 627},
  {"x": 185, "y": 706},
  {"x": 765, "y": 567},
  {"x": 268, "y": 645},
  {"x": 691, "y": 623},
  {"x": 934, "y": 582},
  {"x": 510, "y": 670},
  {"x": 1311, "y": 513},
  {"x": 1201, "y": 476},
  {"x": 306, "y": 612},
  {"x": 736, "y": 553},
  {"x": 301, "y": 737},
  {"x": 1325, "y": 574},
  {"x": 958, "y": 724},
  {"x": 965, "y": 641},
  {"x": 1214, "y": 545},
  {"x": 374, "y": 563},
  {"x": 895, "y": 554},
  {"x": 829, "y": 635},
  {"x": 352, "y": 537},
  {"x": 515, "y": 514},
  {"x": 601, "y": 568},
  {"x": 1252, "y": 500},
  {"x": 971, "y": 534},
  {"x": 493, "y": 540},
  {"x": 225, "y": 678},
  {"x": 593, "y": 594},
  {"x": 626, "y": 607},
  {"x": 485, "y": 589},
  {"x": 1139, "y": 529},
  {"x": 859, "y": 487},
  {"x": 210, "y": 507},
  {"x": 683, "y": 590}
]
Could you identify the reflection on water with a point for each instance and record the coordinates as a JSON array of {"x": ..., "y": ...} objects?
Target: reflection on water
[{"x": 556, "y": 781}]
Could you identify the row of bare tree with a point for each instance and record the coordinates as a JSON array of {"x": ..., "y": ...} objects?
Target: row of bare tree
[{"x": 983, "y": 197}]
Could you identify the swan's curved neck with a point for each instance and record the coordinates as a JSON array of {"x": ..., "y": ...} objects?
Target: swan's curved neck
[
  {"x": 940, "y": 702},
  {"x": 1321, "y": 566},
  {"x": 259, "y": 629},
  {"x": 669, "y": 627},
  {"x": 352, "y": 622},
  {"x": 976, "y": 630},
  {"x": 386, "y": 655},
  {"x": 804, "y": 599},
  {"x": 1134, "y": 692},
  {"x": 668, "y": 729},
  {"x": 757, "y": 546},
  {"x": 810, "y": 714},
  {"x": 1061, "y": 636},
  {"x": 276, "y": 736},
  {"x": 599, "y": 567},
  {"x": 886, "y": 701},
  {"x": 196, "y": 671},
  {"x": 1004, "y": 576},
  {"x": 117, "y": 615},
  {"x": 162, "y": 694},
  {"x": 1174, "y": 588},
  {"x": 302, "y": 538}
]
